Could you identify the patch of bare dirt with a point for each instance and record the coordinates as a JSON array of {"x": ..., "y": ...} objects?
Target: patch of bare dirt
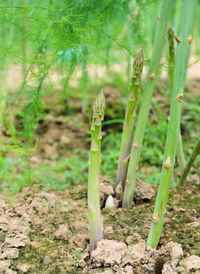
[
  {"x": 138, "y": 258},
  {"x": 47, "y": 232},
  {"x": 58, "y": 134}
]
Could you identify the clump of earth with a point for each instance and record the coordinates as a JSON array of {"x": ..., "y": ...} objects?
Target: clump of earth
[
  {"x": 118, "y": 257},
  {"x": 47, "y": 232}
]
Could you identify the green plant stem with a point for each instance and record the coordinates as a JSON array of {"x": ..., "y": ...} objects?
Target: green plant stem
[
  {"x": 180, "y": 153},
  {"x": 94, "y": 213},
  {"x": 190, "y": 162},
  {"x": 182, "y": 54},
  {"x": 171, "y": 60},
  {"x": 146, "y": 101},
  {"x": 173, "y": 14},
  {"x": 127, "y": 135}
]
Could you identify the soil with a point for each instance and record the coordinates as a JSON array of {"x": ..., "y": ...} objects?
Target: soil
[{"x": 47, "y": 232}]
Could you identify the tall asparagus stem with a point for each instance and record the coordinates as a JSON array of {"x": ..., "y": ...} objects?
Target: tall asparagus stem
[
  {"x": 146, "y": 101},
  {"x": 191, "y": 160},
  {"x": 180, "y": 153},
  {"x": 95, "y": 222},
  {"x": 182, "y": 54},
  {"x": 171, "y": 57},
  {"x": 127, "y": 135}
]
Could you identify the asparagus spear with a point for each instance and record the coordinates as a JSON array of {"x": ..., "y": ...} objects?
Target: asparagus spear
[
  {"x": 182, "y": 54},
  {"x": 127, "y": 135},
  {"x": 171, "y": 42},
  {"x": 193, "y": 156},
  {"x": 146, "y": 101},
  {"x": 95, "y": 222},
  {"x": 180, "y": 153}
]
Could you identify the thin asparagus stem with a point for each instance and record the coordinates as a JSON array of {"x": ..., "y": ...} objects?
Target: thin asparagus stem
[
  {"x": 146, "y": 101},
  {"x": 171, "y": 60},
  {"x": 95, "y": 222},
  {"x": 190, "y": 162},
  {"x": 182, "y": 54},
  {"x": 127, "y": 135},
  {"x": 180, "y": 153}
]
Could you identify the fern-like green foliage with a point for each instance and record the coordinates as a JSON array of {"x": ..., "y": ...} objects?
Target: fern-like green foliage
[{"x": 37, "y": 37}]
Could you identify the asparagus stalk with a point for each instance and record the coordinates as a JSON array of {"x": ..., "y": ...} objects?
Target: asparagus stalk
[
  {"x": 182, "y": 54},
  {"x": 127, "y": 135},
  {"x": 191, "y": 160},
  {"x": 146, "y": 101},
  {"x": 95, "y": 222},
  {"x": 171, "y": 57},
  {"x": 180, "y": 153}
]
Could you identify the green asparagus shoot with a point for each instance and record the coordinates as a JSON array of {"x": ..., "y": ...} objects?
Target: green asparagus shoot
[
  {"x": 180, "y": 153},
  {"x": 146, "y": 101},
  {"x": 95, "y": 222},
  {"x": 182, "y": 54},
  {"x": 128, "y": 128}
]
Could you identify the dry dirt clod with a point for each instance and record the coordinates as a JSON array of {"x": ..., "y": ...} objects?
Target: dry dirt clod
[
  {"x": 138, "y": 250},
  {"x": 18, "y": 240},
  {"x": 24, "y": 268},
  {"x": 4, "y": 223},
  {"x": 108, "y": 230},
  {"x": 4, "y": 265},
  {"x": 191, "y": 263},
  {"x": 108, "y": 253},
  {"x": 63, "y": 233},
  {"x": 10, "y": 271},
  {"x": 11, "y": 253},
  {"x": 143, "y": 192}
]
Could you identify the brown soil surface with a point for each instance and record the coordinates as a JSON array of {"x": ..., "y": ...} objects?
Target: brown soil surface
[{"x": 48, "y": 233}]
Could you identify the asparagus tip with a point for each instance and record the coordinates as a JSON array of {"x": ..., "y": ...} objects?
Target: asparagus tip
[
  {"x": 170, "y": 30},
  {"x": 98, "y": 109},
  {"x": 138, "y": 64}
]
